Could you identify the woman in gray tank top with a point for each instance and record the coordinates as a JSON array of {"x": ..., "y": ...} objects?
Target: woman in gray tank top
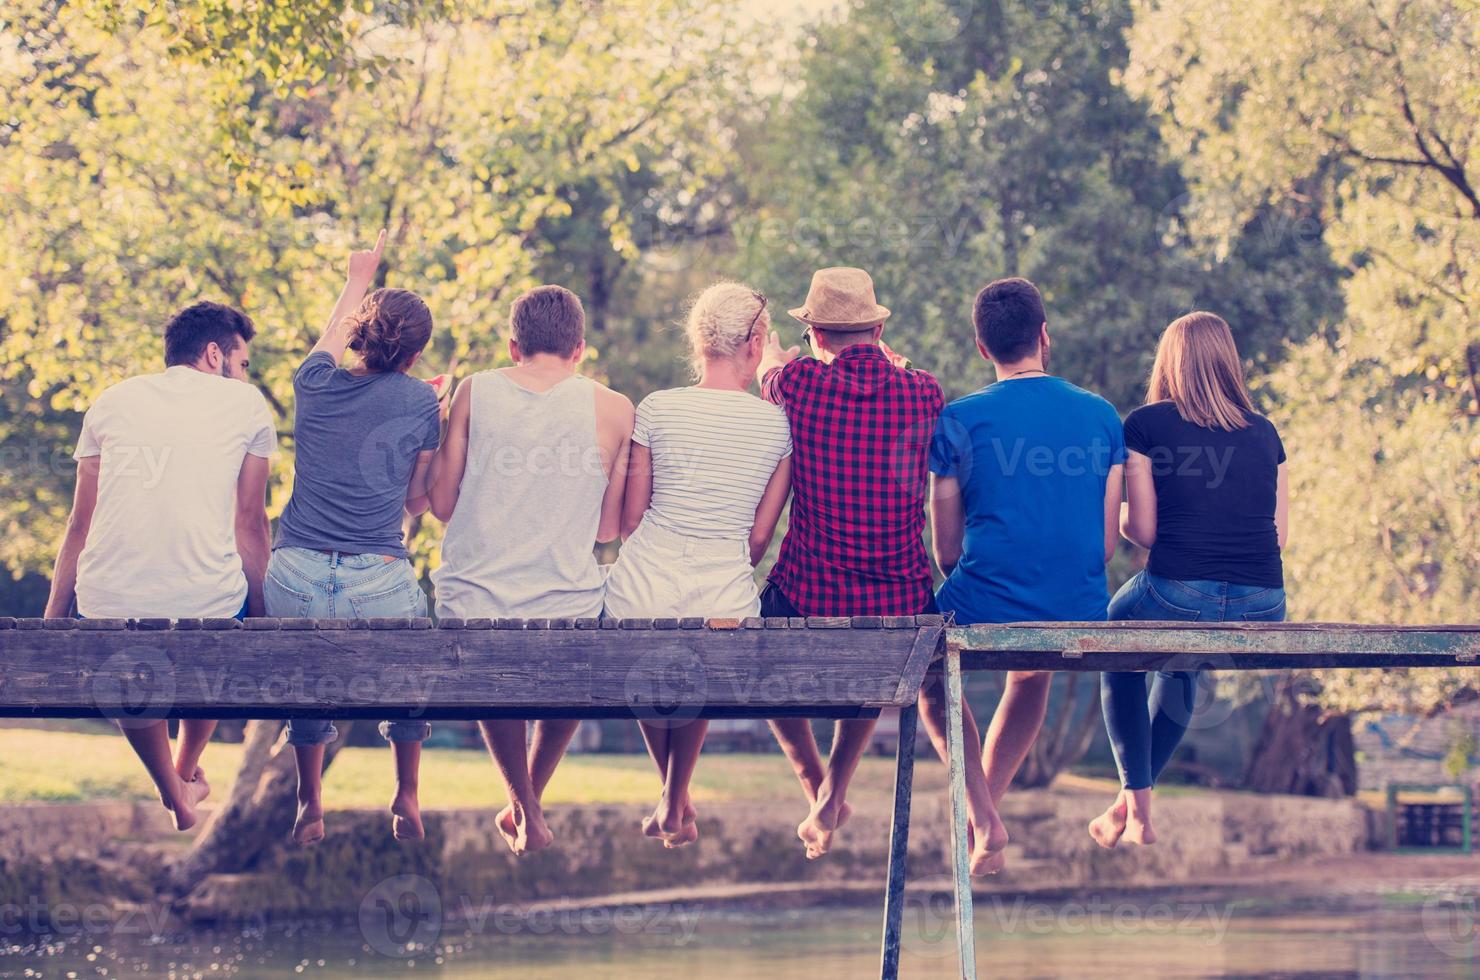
[{"x": 523, "y": 481}]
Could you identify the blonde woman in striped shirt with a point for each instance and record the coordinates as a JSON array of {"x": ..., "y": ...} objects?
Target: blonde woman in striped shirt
[{"x": 709, "y": 474}]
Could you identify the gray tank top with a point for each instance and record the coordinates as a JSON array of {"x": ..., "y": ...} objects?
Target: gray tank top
[{"x": 521, "y": 538}]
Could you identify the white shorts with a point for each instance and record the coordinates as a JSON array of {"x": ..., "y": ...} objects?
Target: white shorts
[{"x": 659, "y": 574}]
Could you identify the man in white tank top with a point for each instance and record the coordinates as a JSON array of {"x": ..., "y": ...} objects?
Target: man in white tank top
[{"x": 524, "y": 480}]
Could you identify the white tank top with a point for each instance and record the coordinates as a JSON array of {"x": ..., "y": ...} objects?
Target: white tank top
[{"x": 521, "y": 538}]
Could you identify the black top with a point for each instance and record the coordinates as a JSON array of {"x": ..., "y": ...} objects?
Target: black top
[{"x": 1215, "y": 497}]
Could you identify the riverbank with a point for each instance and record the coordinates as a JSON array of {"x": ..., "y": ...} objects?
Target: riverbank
[{"x": 67, "y": 856}]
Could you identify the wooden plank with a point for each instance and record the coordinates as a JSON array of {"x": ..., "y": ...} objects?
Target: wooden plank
[
  {"x": 635, "y": 624},
  {"x": 1221, "y": 646},
  {"x": 261, "y": 623},
  {"x": 752, "y": 623},
  {"x": 588, "y": 623},
  {"x": 102, "y": 624},
  {"x": 691, "y": 623},
  {"x": 7, "y": 622},
  {"x": 777, "y": 623},
  {"x": 59, "y": 623},
  {"x": 150, "y": 624},
  {"x": 828, "y": 622},
  {"x": 797, "y": 622},
  {"x": 298, "y": 623},
  {"x": 451, "y": 623},
  {"x": 666, "y": 623},
  {"x": 722, "y": 623},
  {"x": 960, "y": 850},
  {"x": 899, "y": 842},
  {"x": 396, "y": 673}
]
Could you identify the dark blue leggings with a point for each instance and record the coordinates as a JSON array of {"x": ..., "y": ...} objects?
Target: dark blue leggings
[{"x": 1145, "y": 732}]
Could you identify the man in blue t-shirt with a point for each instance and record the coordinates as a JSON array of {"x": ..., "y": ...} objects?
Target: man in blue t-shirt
[{"x": 1026, "y": 481}]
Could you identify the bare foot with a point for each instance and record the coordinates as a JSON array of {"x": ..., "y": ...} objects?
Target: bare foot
[
  {"x": 988, "y": 851},
  {"x": 1138, "y": 829},
  {"x": 816, "y": 832},
  {"x": 530, "y": 831},
  {"x": 654, "y": 826},
  {"x": 309, "y": 827},
  {"x": 1107, "y": 828},
  {"x": 506, "y": 828},
  {"x": 190, "y": 795},
  {"x": 406, "y": 817}
]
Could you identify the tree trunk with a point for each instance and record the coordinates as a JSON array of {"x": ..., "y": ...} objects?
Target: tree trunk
[
  {"x": 1302, "y": 750},
  {"x": 259, "y": 813},
  {"x": 1065, "y": 738}
]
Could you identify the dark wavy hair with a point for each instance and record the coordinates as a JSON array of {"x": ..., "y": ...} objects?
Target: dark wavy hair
[{"x": 390, "y": 328}]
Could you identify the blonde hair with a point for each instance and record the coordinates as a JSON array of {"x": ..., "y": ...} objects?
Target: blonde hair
[
  {"x": 1198, "y": 368},
  {"x": 721, "y": 316}
]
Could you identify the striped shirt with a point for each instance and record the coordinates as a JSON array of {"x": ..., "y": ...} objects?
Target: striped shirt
[{"x": 713, "y": 452}]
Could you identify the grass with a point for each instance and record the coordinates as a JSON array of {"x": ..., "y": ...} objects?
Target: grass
[{"x": 58, "y": 765}]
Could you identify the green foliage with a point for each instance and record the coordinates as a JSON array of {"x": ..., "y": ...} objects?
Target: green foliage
[
  {"x": 1365, "y": 114},
  {"x": 151, "y": 157},
  {"x": 944, "y": 148}
]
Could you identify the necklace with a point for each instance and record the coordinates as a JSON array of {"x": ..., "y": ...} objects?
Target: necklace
[{"x": 1016, "y": 374}]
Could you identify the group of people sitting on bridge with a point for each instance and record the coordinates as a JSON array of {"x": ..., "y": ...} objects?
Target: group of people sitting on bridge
[{"x": 1029, "y": 482}]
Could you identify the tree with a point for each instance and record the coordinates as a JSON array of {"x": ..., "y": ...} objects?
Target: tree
[
  {"x": 152, "y": 155},
  {"x": 1366, "y": 114},
  {"x": 943, "y": 145}
]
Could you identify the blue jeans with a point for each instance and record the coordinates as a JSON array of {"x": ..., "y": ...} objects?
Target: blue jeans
[
  {"x": 302, "y": 582},
  {"x": 1144, "y": 734}
]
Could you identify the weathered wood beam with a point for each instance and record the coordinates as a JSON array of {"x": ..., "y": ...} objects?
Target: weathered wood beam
[
  {"x": 1215, "y": 646},
  {"x": 474, "y": 669}
]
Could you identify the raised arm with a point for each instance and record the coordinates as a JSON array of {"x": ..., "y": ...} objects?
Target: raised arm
[
  {"x": 947, "y": 521},
  {"x": 253, "y": 536},
  {"x": 79, "y": 522},
  {"x": 637, "y": 496},
  {"x": 768, "y": 512},
  {"x": 1138, "y": 517},
  {"x": 357, "y": 281}
]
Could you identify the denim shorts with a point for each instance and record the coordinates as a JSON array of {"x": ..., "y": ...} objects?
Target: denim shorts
[{"x": 302, "y": 582}]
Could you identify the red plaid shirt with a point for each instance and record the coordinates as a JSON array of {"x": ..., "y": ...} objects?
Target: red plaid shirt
[{"x": 861, "y": 431}]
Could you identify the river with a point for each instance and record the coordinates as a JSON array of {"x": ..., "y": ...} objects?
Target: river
[{"x": 1419, "y": 930}]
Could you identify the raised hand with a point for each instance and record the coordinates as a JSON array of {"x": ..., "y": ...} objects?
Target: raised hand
[
  {"x": 898, "y": 360},
  {"x": 362, "y": 265},
  {"x": 773, "y": 355}
]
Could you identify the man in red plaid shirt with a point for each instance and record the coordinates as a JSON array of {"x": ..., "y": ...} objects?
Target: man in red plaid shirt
[{"x": 861, "y": 423}]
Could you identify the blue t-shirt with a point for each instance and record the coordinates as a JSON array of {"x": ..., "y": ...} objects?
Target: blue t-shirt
[
  {"x": 356, "y": 439},
  {"x": 1032, "y": 456}
]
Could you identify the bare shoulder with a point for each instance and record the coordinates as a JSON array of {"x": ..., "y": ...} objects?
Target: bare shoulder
[{"x": 613, "y": 404}]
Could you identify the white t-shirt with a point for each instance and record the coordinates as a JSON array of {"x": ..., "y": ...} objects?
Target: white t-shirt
[
  {"x": 163, "y": 537},
  {"x": 713, "y": 451}
]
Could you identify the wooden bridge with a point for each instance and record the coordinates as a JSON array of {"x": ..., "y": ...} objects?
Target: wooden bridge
[{"x": 648, "y": 669}]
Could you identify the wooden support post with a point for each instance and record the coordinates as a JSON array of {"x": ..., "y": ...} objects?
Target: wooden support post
[
  {"x": 960, "y": 854},
  {"x": 899, "y": 840}
]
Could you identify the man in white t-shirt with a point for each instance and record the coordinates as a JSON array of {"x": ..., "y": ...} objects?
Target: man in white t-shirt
[{"x": 169, "y": 517}]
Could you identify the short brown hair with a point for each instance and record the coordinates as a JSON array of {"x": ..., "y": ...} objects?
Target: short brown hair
[
  {"x": 199, "y": 325},
  {"x": 548, "y": 320},
  {"x": 1198, "y": 369},
  {"x": 390, "y": 328},
  {"x": 1008, "y": 315}
]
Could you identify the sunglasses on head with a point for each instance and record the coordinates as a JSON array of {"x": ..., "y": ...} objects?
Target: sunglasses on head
[{"x": 760, "y": 298}]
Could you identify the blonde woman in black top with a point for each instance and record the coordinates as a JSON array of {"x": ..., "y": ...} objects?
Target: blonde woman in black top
[{"x": 1206, "y": 494}]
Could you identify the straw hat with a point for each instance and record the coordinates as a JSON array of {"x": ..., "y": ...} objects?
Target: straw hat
[{"x": 841, "y": 299}]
